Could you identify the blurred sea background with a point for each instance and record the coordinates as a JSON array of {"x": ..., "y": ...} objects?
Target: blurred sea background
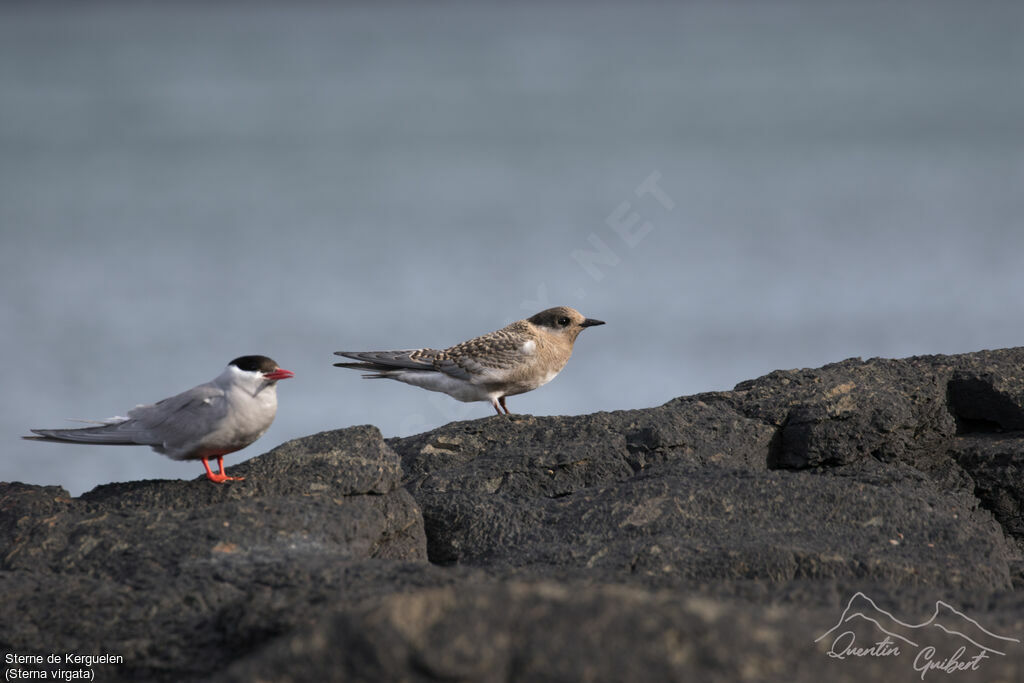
[{"x": 181, "y": 184}]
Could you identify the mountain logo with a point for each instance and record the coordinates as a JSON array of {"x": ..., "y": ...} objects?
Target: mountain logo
[{"x": 949, "y": 641}]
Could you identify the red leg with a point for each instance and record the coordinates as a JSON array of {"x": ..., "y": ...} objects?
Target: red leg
[
  {"x": 501, "y": 400},
  {"x": 220, "y": 464},
  {"x": 218, "y": 477}
]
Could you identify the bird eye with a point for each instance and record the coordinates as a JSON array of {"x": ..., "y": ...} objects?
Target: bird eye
[{"x": 563, "y": 321}]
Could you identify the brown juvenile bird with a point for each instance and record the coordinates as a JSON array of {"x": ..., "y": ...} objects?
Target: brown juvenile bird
[{"x": 513, "y": 360}]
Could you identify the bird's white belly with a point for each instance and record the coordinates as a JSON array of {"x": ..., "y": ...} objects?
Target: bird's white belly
[
  {"x": 226, "y": 429},
  {"x": 525, "y": 384},
  {"x": 460, "y": 389}
]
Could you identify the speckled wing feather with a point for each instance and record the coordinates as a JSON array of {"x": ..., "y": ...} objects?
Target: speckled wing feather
[{"x": 490, "y": 354}]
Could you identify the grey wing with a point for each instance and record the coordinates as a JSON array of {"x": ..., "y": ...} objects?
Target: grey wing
[
  {"x": 426, "y": 360},
  {"x": 382, "y": 361},
  {"x": 186, "y": 417},
  {"x": 107, "y": 435},
  {"x": 171, "y": 421},
  {"x": 456, "y": 369}
]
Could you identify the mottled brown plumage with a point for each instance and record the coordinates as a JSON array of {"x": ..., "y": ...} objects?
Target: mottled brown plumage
[{"x": 513, "y": 360}]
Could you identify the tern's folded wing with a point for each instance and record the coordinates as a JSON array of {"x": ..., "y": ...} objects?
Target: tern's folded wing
[
  {"x": 179, "y": 418},
  {"x": 410, "y": 359}
]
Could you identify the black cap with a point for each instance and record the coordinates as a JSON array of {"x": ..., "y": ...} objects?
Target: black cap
[{"x": 254, "y": 364}]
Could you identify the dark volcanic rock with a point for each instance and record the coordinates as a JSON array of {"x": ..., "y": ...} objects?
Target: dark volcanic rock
[
  {"x": 996, "y": 464},
  {"x": 294, "y": 498},
  {"x": 558, "y": 455},
  {"x": 544, "y": 631},
  {"x": 715, "y": 537},
  {"x": 844, "y": 412},
  {"x": 157, "y": 571},
  {"x": 725, "y": 524},
  {"x": 686, "y": 491},
  {"x": 527, "y": 632}
]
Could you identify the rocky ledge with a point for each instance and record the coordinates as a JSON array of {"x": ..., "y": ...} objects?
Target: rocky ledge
[{"x": 718, "y": 537}]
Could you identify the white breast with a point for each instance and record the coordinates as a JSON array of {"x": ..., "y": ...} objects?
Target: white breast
[
  {"x": 436, "y": 381},
  {"x": 548, "y": 377}
]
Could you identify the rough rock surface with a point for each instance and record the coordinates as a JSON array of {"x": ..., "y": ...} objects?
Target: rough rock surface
[
  {"x": 161, "y": 572},
  {"x": 716, "y": 537}
]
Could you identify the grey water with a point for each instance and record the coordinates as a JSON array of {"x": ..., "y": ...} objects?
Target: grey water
[{"x": 735, "y": 187}]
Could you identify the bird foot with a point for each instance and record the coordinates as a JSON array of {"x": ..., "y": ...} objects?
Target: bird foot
[{"x": 218, "y": 477}]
